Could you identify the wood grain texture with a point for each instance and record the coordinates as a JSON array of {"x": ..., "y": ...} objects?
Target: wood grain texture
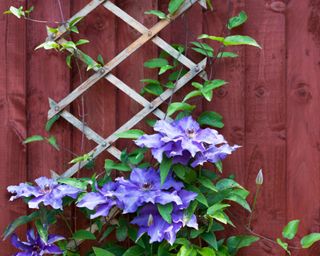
[
  {"x": 13, "y": 128},
  {"x": 265, "y": 121},
  {"x": 303, "y": 120},
  {"x": 47, "y": 76}
]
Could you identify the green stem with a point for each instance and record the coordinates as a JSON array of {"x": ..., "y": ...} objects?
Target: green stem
[
  {"x": 67, "y": 223},
  {"x": 254, "y": 205}
]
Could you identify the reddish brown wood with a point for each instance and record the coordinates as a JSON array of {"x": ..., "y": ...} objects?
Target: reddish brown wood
[
  {"x": 303, "y": 133},
  {"x": 13, "y": 119},
  {"x": 47, "y": 76},
  {"x": 265, "y": 121}
]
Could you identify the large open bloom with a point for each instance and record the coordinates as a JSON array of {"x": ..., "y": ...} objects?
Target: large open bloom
[
  {"x": 35, "y": 246},
  {"x": 144, "y": 186},
  {"x": 47, "y": 191},
  {"x": 183, "y": 140},
  {"x": 101, "y": 201}
]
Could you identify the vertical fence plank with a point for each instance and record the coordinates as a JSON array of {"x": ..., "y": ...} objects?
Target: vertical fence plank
[
  {"x": 303, "y": 93},
  {"x": 13, "y": 118},
  {"x": 265, "y": 116},
  {"x": 47, "y": 76},
  {"x": 131, "y": 71}
]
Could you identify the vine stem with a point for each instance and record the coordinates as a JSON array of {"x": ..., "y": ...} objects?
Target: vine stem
[{"x": 254, "y": 204}]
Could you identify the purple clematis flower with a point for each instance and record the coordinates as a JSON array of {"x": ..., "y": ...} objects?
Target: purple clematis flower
[
  {"x": 144, "y": 186},
  {"x": 101, "y": 201},
  {"x": 214, "y": 154},
  {"x": 35, "y": 246},
  {"x": 47, "y": 191},
  {"x": 150, "y": 221},
  {"x": 180, "y": 140}
]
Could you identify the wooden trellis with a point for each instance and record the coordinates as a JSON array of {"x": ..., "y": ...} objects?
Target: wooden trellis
[{"x": 105, "y": 72}]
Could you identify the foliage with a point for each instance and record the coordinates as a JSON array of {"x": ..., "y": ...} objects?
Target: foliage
[{"x": 174, "y": 203}]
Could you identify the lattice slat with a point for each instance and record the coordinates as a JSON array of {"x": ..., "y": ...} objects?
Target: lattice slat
[{"x": 105, "y": 72}]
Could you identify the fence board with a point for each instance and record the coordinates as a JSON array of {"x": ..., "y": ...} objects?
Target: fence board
[
  {"x": 13, "y": 120},
  {"x": 303, "y": 104}
]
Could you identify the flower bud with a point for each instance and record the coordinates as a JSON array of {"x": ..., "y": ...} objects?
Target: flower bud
[
  {"x": 150, "y": 220},
  {"x": 259, "y": 178}
]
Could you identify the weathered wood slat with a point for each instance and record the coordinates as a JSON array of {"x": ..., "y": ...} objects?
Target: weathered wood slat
[
  {"x": 138, "y": 117},
  {"x": 145, "y": 37}
]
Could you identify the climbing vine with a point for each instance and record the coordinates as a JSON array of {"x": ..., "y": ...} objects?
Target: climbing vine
[{"x": 169, "y": 196}]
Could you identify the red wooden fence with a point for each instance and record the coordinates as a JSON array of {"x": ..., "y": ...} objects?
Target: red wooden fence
[{"x": 270, "y": 105}]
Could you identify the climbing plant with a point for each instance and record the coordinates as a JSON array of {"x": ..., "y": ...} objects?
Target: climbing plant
[{"x": 169, "y": 196}]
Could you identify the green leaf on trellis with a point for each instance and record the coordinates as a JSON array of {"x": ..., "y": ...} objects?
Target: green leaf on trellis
[
  {"x": 18, "y": 12},
  {"x": 226, "y": 184},
  {"x": 111, "y": 165},
  {"x": 214, "y": 38},
  {"x": 235, "y": 243},
  {"x": 291, "y": 229},
  {"x": 174, "y": 5},
  {"x": 53, "y": 142},
  {"x": 179, "y": 106},
  {"x": 69, "y": 45},
  {"x": 130, "y": 134},
  {"x": 240, "y": 40},
  {"x": 51, "y": 121},
  {"x": 191, "y": 94},
  {"x": 164, "y": 69},
  {"x": 68, "y": 60},
  {"x": 100, "y": 60},
  {"x": 211, "y": 118},
  {"x": 102, "y": 252},
  {"x": 75, "y": 21},
  {"x": 308, "y": 240},
  {"x": 156, "y": 63},
  {"x": 82, "y": 41},
  {"x": 83, "y": 235},
  {"x": 18, "y": 222},
  {"x": 74, "y": 182},
  {"x": 238, "y": 20},
  {"x": 283, "y": 245},
  {"x": 227, "y": 55},
  {"x": 134, "y": 251},
  {"x": 165, "y": 166},
  {"x": 166, "y": 211},
  {"x": 161, "y": 15},
  {"x": 43, "y": 233},
  {"x": 48, "y": 45},
  {"x": 33, "y": 139},
  {"x": 203, "y": 49},
  {"x": 154, "y": 89},
  {"x": 88, "y": 60}
]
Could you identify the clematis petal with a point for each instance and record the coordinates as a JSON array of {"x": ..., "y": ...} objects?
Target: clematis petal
[{"x": 91, "y": 200}]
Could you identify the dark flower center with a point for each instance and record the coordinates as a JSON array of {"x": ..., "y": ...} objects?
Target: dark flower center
[
  {"x": 36, "y": 248},
  {"x": 146, "y": 186},
  {"x": 190, "y": 133},
  {"x": 46, "y": 188}
]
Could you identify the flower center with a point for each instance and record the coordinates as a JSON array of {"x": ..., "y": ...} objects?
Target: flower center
[
  {"x": 47, "y": 188},
  {"x": 36, "y": 248},
  {"x": 146, "y": 186},
  {"x": 190, "y": 133}
]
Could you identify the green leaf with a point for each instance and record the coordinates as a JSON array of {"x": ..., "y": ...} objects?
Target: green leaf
[
  {"x": 214, "y": 38},
  {"x": 240, "y": 40},
  {"x": 156, "y": 63},
  {"x": 210, "y": 239},
  {"x": 235, "y": 243},
  {"x": 74, "y": 182},
  {"x": 161, "y": 15},
  {"x": 16, "y": 12},
  {"x": 226, "y": 184},
  {"x": 82, "y": 41},
  {"x": 283, "y": 245},
  {"x": 206, "y": 251},
  {"x": 239, "y": 200},
  {"x": 122, "y": 230},
  {"x": 74, "y": 29},
  {"x": 48, "y": 45},
  {"x": 238, "y": 20},
  {"x": 100, "y": 59},
  {"x": 154, "y": 89},
  {"x": 53, "y": 142},
  {"x": 82, "y": 234},
  {"x": 33, "y": 139},
  {"x": 200, "y": 197},
  {"x": 211, "y": 118},
  {"x": 197, "y": 85},
  {"x": 69, "y": 45},
  {"x": 22, "y": 220},
  {"x": 207, "y": 183},
  {"x": 106, "y": 233},
  {"x": 174, "y": 5},
  {"x": 166, "y": 211},
  {"x": 75, "y": 21},
  {"x": 134, "y": 251},
  {"x": 291, "y": 229},
  {"x": 88, "y": 60},
  {"x": 213, "y": 84},
  {"x": 165, "y": 166},
  {"x": 203, "y": 49},
  {"x": 102, "y": 252},
  {"x": 178, "y": 106},
  {"x": 164, "y": 69},
  {"x": 191, "y": 94},
  {"x": 217, "y": 207},
  {"x": 130, "y": 134},
  {"x": 111, "y": 165},
  {"x": 43, "y": 233},
  {"x": 227, "y": 55},
  {"x": 51, "y": 121},
  {"x": 219, "y": 165},
  {"x": 308, "y": 240}
]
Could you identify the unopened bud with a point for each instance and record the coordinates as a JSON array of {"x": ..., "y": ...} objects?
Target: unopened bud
[{"x": 259, "y": 178}]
